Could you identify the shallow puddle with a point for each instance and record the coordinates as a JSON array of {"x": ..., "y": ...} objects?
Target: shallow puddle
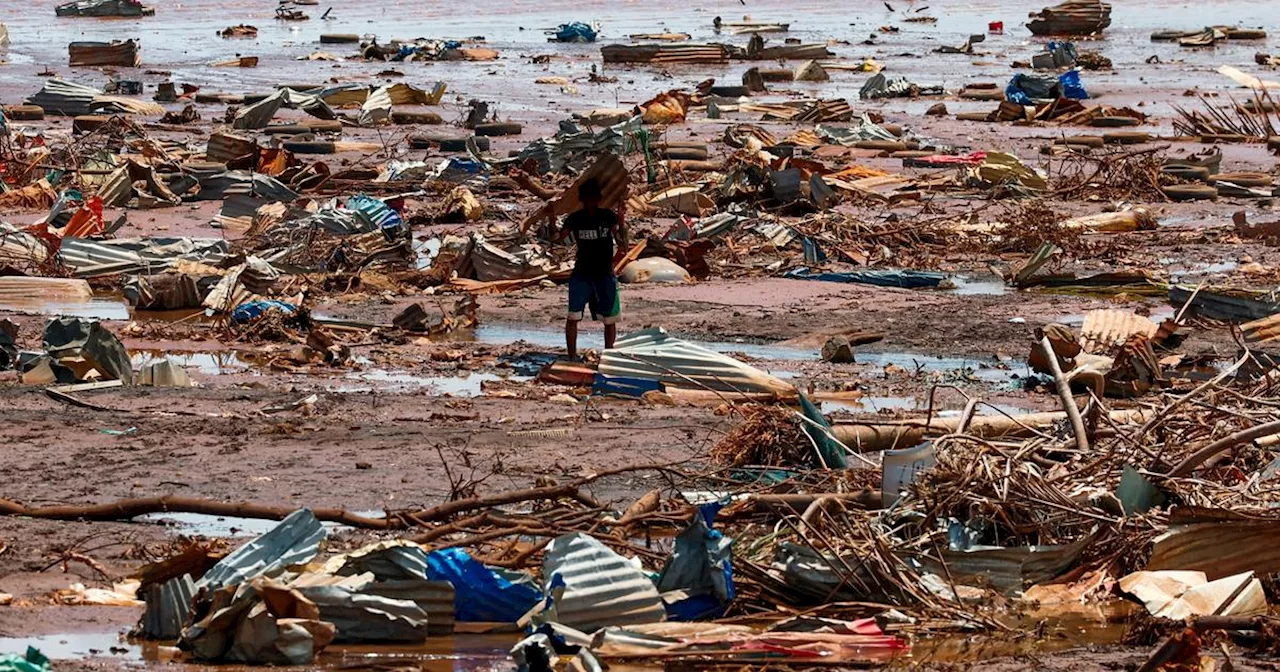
[
  {"x": 983, "y": 370},
  {"x": 206, "y": 525},
  {"x": 456, "y": 653},
  {"x": 92, "y": 309},
  {"x": 875, "y": 404},
  {"x": 212, "y": 363},
  {"x": 506, "y": 334},
  {"x": 982, "y": 286},
  {"x": 465, "y": 384},
  {"x": 74, "y": 646}
]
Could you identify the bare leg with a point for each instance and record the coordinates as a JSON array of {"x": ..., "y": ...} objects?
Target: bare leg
[
  {"x": 610, "y": 335},
  {"x": 571, "y": 337}
]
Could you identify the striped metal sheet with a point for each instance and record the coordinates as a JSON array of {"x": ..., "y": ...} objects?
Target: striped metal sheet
[
  {"x": 117, "y": 189},
  {"x": 434, "y": 597},
  {"x": 366, "y": 617},
  {"x": 295, "y": 541},
  {"x": 602, "y": 588},
  {"x": 1106, "y": 331},
  {"x": 494, "y": 263},
  {"x": 653, "y": 354},
  {"x": 20, "y": 248},
  {"x": 168, "y": 608},
  {"x": 665, "y": 53},
  {"x": 94, "y": 258},
  {"x": 1236, "y": 305},
  {"x": 59, "y": 96},
  {"x": 123, "y": 54},
  {"x": 224, "y": 147},
  {"x": 1220, "y": 548},
  {"x": 376, "y": 108},
  {"x": 17, "y": 288}
]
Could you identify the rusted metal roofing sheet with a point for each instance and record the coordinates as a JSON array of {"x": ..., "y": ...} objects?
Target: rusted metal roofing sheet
[
  {"x": 1225, "y": 304},
  {"x": 1219, "y": 548},
  {"x": 665, "y": 53},
  {"x": 1074, "y": 17},
  {"x": 20, "y": 287},
  {"x": 1106, "y": 331},
  {"x": 653, "y": 354},
  {"x": 602, "y": 588},
  {"x": 123, "y": 54},
  {"x": 224, "y": 147}
]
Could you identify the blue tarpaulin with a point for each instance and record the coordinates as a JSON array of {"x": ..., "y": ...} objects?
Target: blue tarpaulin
[
  {"x": 482, "y": 593},
  {"x": 701, "y": 565},
  {"x": 882, "y": 278},
  {"x": 575, "y": 32},
  {"x": 252, "y": 310},
  {"x": 627, "y": 387},
  {"x": 1025, "y": 89}
]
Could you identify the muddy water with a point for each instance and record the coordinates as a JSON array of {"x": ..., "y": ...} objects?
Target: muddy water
[
  {"x": 458, "y": 653},
  {"x": 181, "y": 39}
]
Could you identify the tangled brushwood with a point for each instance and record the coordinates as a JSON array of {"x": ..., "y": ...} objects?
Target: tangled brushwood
[{"x": 767, "y": 435}]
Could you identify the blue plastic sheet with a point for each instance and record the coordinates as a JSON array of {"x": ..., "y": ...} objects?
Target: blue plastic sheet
[
  {"x": 1025, "y": 89},
  {"x": 482, "y": 593},
  {"x": 882, "y": 278},
  {"x": 575, "y": 32},
  {"x": 252, "y": 310},
  {"x": 627, "y": 387},
  {"x": 1071, "y": 85},
  {"x": 702, "y": 564},
  {"x": 377, "y": 213}
]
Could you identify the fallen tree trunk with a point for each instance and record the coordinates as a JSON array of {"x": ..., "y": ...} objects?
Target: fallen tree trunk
[
  {"x": 869, "y": 438},
  {"x": 126, "y": 509}
]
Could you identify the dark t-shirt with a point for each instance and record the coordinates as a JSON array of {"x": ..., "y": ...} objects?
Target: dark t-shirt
[{"x": 593, "y": 235}]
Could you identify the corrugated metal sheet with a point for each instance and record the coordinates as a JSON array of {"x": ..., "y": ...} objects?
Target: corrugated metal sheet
[
  {"x": 364, "y": 617},
  {"x": 117, "y": 189},
  {"x": 168, "y": 608},
  {"x": 123, "y": 54},
  {"x": 59, "y": 96},
  {"x": 1106, "y": 331},
  {"x": 17, "y": 288},
  {"x": 224, "y": 147},
  {"x": 436, "y": 598},
  {"x": 125, "y": 105},
  {"x": 103, "y": 8},
  {"x": 653, "y": 354},
  {"x": 601, "y": 587},
  {"x": 93, "y": 258},
  {"x": 259, "y": 114},
  {"x": 296, "y": 540},
  {"x": 19, "y": 247},
  {"x": 665, "y": 53},
  {"x": 1075, "y": 17},
  {"x": 1262, "y": 331},
  {"x": 344, "y": 94},
  {"x": 494, "y": 263},
  {"x": 376, "y": 108},
  {"x": 1225, "y": 304},
  {"x": 1219, "y": 548}
]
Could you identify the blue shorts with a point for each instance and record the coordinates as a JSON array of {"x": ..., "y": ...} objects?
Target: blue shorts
[{"x": 601, "y": 294}]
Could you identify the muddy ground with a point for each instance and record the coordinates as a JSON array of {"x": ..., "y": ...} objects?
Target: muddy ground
[{"x": 408, "y": 420}]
